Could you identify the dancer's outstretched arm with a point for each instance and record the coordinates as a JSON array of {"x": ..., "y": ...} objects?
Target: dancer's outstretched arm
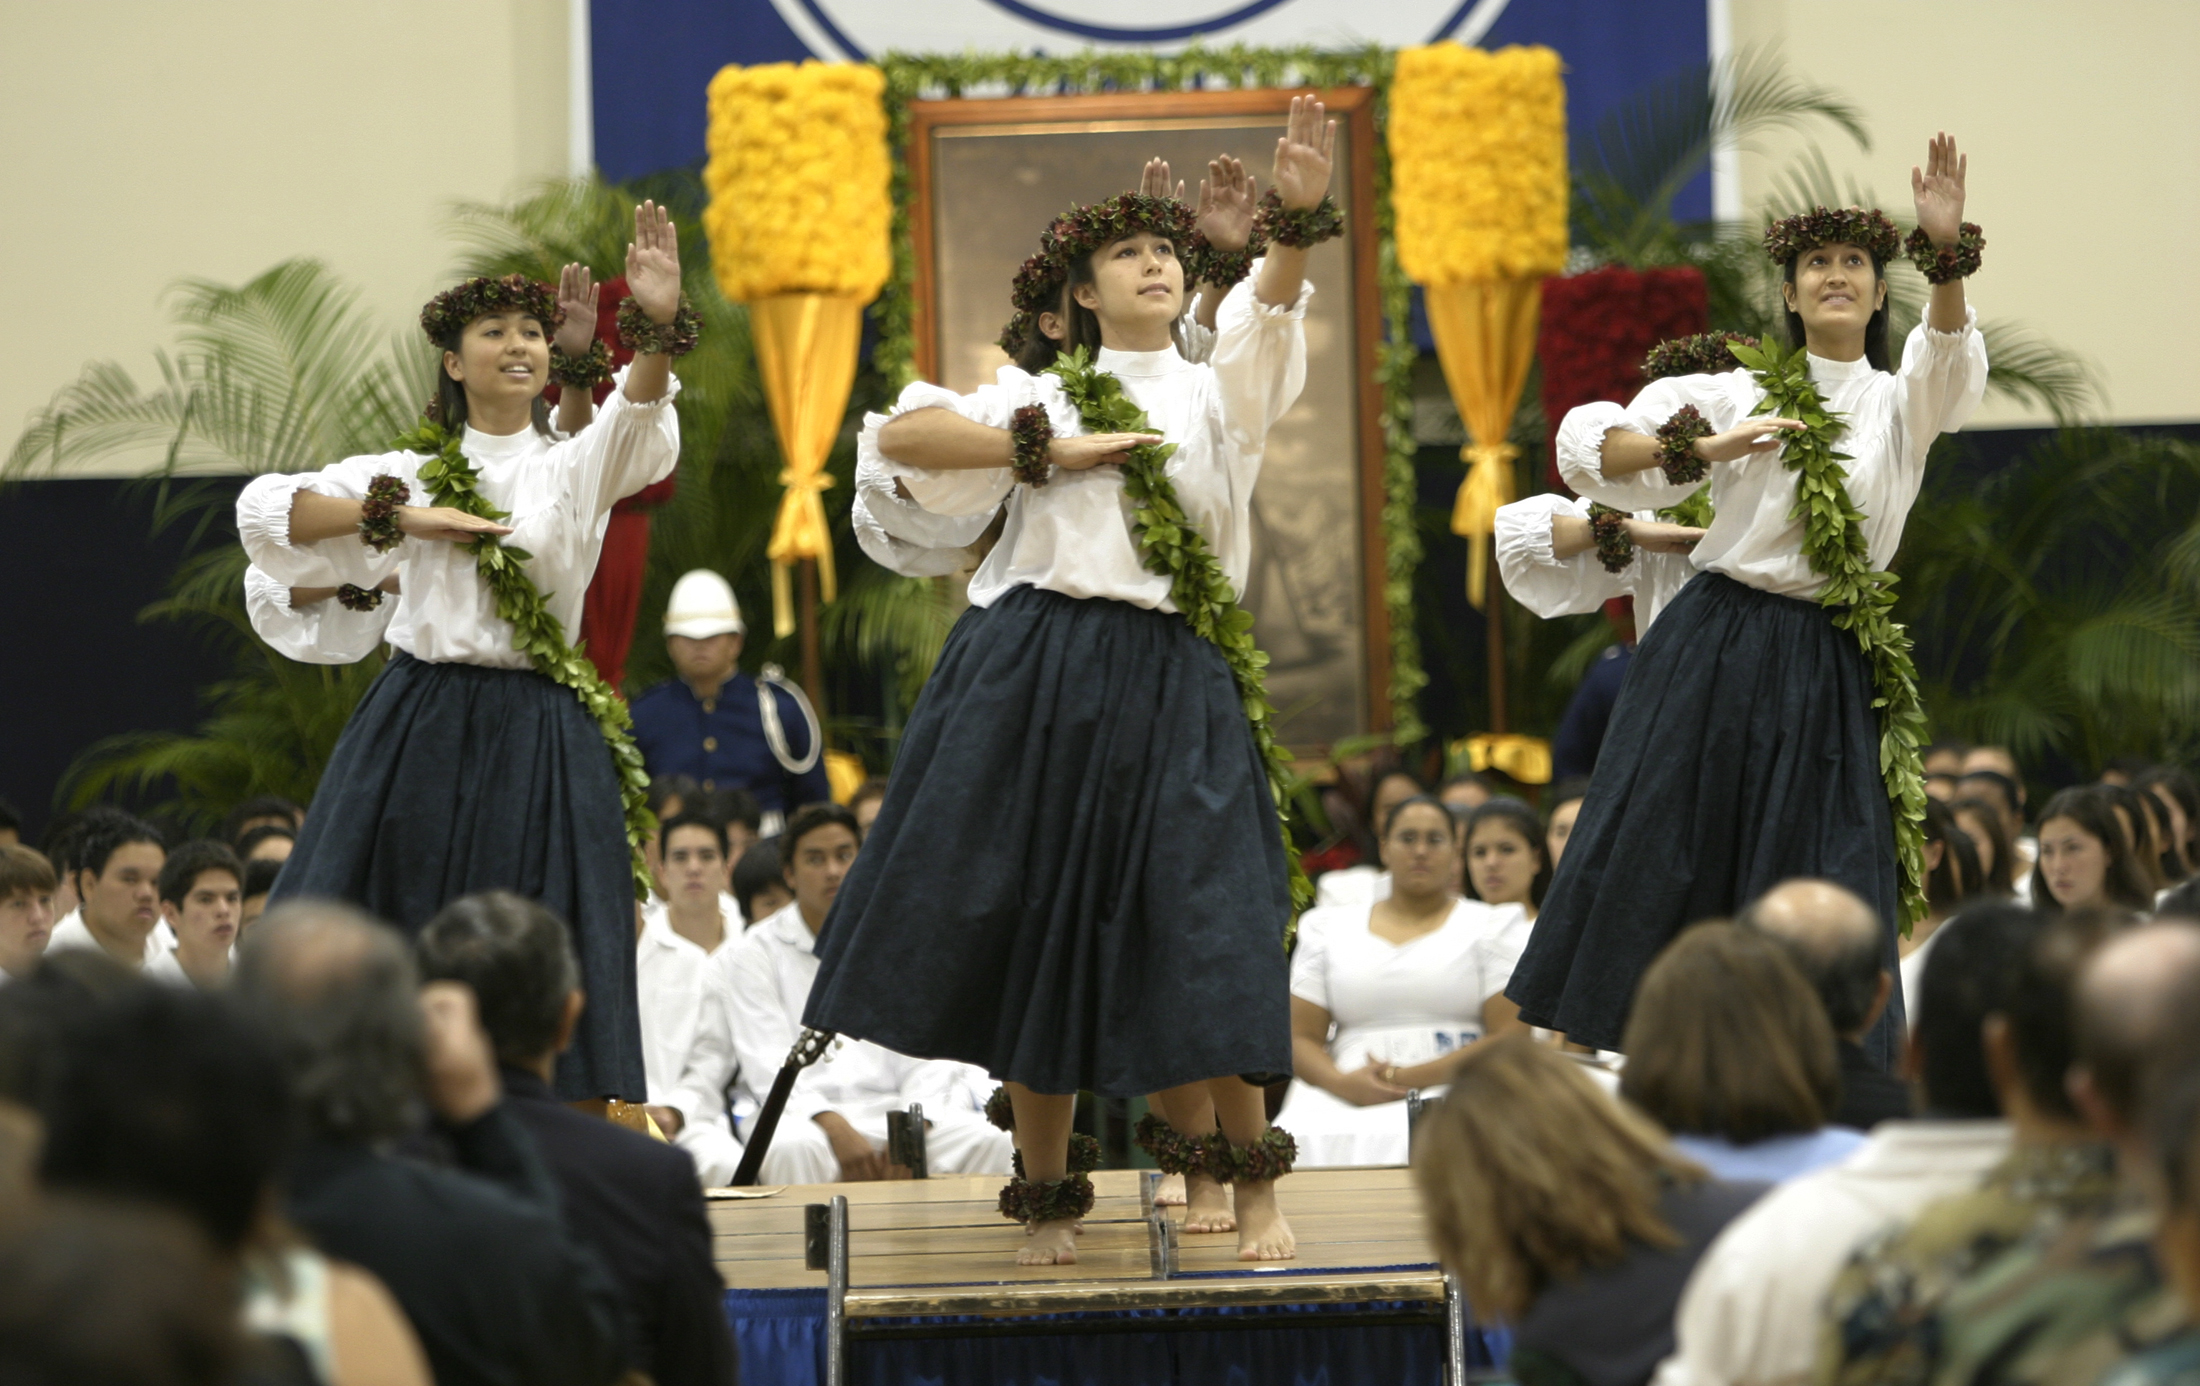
[
  {"x": 1301, "y": 179},
  {"x": 942, "y": 440},
  {"x": 1938, "y": 188},
  {"x": 576, "y": 334},
  {"x": 653, "y": 277},
  {"x": 1572, "y": 536},
  {"x": 1228, "y": 198}
]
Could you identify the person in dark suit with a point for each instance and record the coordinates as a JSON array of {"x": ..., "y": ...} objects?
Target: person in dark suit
[
  {"x": 1835, "y": 938},
  {"x": 477, "y": 1256},
  {"x": 636, "y": 1202}
]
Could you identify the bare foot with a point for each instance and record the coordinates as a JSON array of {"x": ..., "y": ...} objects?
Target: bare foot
[
  {"x": 1051, "y": 1244},
  {"x": 1263, "y": 1235},
  {"x": 1209, "y": 1208},
  {"x": 1169, "y": 1193}
]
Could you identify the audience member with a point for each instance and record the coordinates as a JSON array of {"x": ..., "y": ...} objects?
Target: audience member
[
  {"x": 1366, "y": 883},
  {"x": 1466, "y": 792},
  {"x": 260, "y": 811},
  {"x": 867, "y": 799},
  {"x": 1560, "y": 808},
  {"x": 834, "y": 1126},
  {"x": 168, "y": 1099},
  {"x": 1992, "y": 773},
  {"x": 95, "y": 1293},
  {"x": 1405, "y": 982},
  {"x": 201, "y": 895},
  {"x": 1883, "y": 1311},
  {"x": 1951, "y": 879},
  {"x": 1750, "y": 1314},
  {"x": 1834, "y": 938},
  {"x": 1564, "y": 1214},
  {"x": 476, "y": 1255},
  {"x": 1943, "y": 764},
  {"x": 735, "y": 810},
  {"x": 58, "y": 845},
  {"x": 1981, "y": 822},
  {"x": 268, "y": 842},
  {"x": 2180, "y": 795},
  {"x": 2085, "y": 858},
  {"x": 1506, "y": 861},
  {"x": 1745, "y": 1084},
  {"x": 2146, "y": 832},
  {"x": 679, "y": 936},
  {"x": 634, "y": 1201},
  {"x": 669, "y": 797},
  {"x": 2165, "y": 1350},
  {"x": 2122, "y": 770},
  {"x": 11, "y": 825},
  {"x": 759, "y": 886},
  {"x": 26, "y": 910},
  {"x": 259, "y": 881},
  {"x": 114, "y": 862}
]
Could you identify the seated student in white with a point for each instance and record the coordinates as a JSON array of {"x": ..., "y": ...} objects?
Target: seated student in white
[
  {"x": 202, "y": 902},
  {"x": 759, "y": 887},
  {"x": 680, "y": 935},
  {"x": 1405, "y": 982},
  {"x": 834, "y": 1126},
  {"x": 26, "y": 910},
  {"x": 114, "y": 863}
]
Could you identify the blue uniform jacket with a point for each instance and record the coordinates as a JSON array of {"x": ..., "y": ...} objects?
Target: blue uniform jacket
[{"x": 721, "y": 742}]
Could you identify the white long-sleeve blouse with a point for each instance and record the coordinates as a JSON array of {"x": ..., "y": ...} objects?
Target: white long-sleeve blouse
[
  {"x": 1893, "y": 418},
  {"x": 1073, "y": 535},
  {"x": 559, "y": 495},
  {"x": 1552, "y": 586}
]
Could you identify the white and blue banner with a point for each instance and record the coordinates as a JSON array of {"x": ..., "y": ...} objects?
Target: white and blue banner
[{"x": 653, "y": 59}]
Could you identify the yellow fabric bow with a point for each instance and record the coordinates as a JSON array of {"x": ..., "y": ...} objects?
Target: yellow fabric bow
[{"x": 1526, "y": 758}]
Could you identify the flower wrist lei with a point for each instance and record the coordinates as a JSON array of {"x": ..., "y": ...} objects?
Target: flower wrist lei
[
  {"x": 1033, "y": 435},
  {"x": 585, "y": 371},
  {"x": 638, "y": 334},
  {"x": 378, "y": 513},
  {"x": 1298, "y": 227},
  {"x": 353, "y": 597},
  {"x": 1207, "y": 263},
  {"x": 1940, "y": 264},
  {"x": 1677, "y": 446},
  {"x": 1615, "y": 546}
]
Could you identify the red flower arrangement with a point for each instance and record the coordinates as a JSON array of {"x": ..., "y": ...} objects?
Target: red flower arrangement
[{"x": 1597, "y": 326}]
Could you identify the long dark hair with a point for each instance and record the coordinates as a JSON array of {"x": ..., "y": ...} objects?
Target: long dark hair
[
  {"x": 1521, "y": 819},
  {"x": 1875, "y": 331},
  {"x": 1956, "y": 879},
  {"x": 2179, "y": 786},
  {"x": 2001, "y": 879},
  {"x": 1082, "y": 325},
  {"x": 2095, "y": 813},
  {"x": 448, "y": 408}
]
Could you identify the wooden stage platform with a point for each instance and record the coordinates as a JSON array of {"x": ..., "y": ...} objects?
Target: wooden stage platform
[{"x": 894, "y": 1251}]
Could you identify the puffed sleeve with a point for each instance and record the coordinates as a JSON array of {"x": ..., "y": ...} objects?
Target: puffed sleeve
[
  {"x": 1259, "y": 360},
  {"x": 1721, "y": 399},
  {"x": 944, "y": 508},
  {"x": 323, "y": 632},
  {"x": 627, "y": 447},
  {"x": 1539, "y": 580},
  {"x": 263, "y": 524},
  {"x": 1310, "y": 960},
  {"x": 1942, "y": 380}
]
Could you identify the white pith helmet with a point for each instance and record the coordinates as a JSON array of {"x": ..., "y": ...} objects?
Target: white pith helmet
[{"x": 702, "y": 605}]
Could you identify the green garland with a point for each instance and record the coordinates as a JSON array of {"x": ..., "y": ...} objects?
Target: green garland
[
  {"x": 1861, "y": 600},
  {"x": 1172, "y": 546},
  {"x": 910, "y": 77},
  {"x": 452, "y": 481}
]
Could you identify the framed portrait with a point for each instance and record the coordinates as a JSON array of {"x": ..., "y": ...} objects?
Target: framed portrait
[{"x": 989, "y": 174}]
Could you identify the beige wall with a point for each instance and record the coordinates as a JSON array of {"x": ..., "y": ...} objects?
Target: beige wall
[
  {"x": 142, "y": 142},
  {"x": 2082, "y": 123}
]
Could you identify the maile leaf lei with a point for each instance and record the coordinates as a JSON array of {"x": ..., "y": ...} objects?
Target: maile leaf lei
[
  {"x": 1171, "y": 545},
  {"x": 1861, "y": 601},
  {"x": 451, "y": 481}
]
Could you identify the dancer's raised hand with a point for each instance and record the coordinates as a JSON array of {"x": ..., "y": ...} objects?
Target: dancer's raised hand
[
  {"x": 1154, "y": 181},
  {"x": 577, "y": 300},
  {"x": 653, "y": 263},
  {"x": 1228, "y": 198},
  {"x": 1938, "y": 188},
  {"x": 1304, "y": 154}
]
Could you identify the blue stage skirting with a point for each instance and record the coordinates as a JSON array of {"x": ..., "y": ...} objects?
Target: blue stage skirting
[{"x": 781, "y": 1334}]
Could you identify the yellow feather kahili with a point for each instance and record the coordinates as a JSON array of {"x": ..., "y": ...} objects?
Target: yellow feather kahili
[{"x": 1478, "y": 163}]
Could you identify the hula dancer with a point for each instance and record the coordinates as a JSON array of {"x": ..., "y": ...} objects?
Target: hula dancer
[
  {"x": 1078, "y": 878},
  {"x": 488, "y": 754},
  {"x": 1746, "y": 747}
]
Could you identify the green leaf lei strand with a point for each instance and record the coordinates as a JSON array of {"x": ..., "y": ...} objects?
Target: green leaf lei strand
[
  {"x": 451, "y": 481},
  {"x": 1861, "y": 600},
  {"x": 1172, "y": 546}
]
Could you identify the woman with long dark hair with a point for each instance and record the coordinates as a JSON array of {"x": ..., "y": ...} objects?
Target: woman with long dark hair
[
  {"x": 1749, "y": 745},
  {"x": 2086, "y": 857},
  {"x": 487, "y": 755}
]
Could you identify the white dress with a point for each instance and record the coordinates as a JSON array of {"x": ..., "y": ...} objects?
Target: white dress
[{"x": 1395, "y": 1003}]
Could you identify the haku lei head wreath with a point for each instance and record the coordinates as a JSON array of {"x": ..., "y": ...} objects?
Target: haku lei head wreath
[
  {"x": 1784, "y": 240},
  {"x": 1078, "y": 233},
  {"x": 448, "y": 312}
]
